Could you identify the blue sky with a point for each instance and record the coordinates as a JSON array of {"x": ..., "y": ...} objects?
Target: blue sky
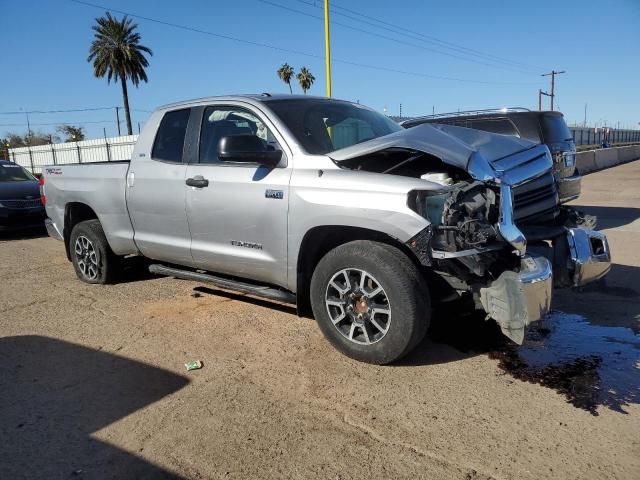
[{"x": 45, "y": 45}]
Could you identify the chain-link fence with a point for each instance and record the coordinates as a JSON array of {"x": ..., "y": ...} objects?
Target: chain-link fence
[{"x": 598, "y": 136}]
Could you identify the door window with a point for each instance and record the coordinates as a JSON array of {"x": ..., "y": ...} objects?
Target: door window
[
  {"x": 169, "y": 141},
  {"x": 219, "y": 122}
]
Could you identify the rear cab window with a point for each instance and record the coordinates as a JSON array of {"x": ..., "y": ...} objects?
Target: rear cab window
[
  {"x": 555, "y": 130},
  {"x": 168, "y": 145}
]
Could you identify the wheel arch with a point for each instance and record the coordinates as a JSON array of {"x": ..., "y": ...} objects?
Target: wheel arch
[{"x": 320, "y": 240}]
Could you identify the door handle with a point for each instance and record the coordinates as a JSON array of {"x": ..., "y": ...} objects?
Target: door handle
[{"x": 198, "y": 181}]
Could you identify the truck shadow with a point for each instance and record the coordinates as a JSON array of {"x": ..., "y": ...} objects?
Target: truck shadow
[
  {"x": 55, "y": 394},
  {"x": 272, "y": 305}
]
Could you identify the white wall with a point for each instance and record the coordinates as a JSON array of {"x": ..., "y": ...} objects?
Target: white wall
[{"x": 86, "y": 151}]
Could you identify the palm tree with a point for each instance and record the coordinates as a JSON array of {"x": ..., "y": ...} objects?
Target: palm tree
[
  {"x": 285, "y": 72},
  {"x": 116, "y": 52},
  {"x": 305, "y": 79}
]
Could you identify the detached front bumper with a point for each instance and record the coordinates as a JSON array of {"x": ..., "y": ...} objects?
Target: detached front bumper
[
  {"x": 516, "y": 299},
  {"x": 590, "y": 255}
]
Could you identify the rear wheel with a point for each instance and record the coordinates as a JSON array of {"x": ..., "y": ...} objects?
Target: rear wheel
[
  {"x": 370, "y": 301},
  {"x": 92, "y": 258}
]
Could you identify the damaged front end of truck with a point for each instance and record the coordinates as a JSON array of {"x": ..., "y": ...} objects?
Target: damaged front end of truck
[{"x": 497, "y": 233}]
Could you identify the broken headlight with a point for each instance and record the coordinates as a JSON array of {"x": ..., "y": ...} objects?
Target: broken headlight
[
  {"x": 462, "y": 217},
  {"x": 429, "y": 205}
]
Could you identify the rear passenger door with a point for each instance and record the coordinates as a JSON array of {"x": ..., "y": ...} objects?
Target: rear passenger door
[
  {"x": 156, "y": 192},
  {"x": 238, "y": 221}
]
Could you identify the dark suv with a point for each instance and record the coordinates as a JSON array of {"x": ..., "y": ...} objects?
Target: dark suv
[
  {"x": 545, "y": 127},
  {"x": 20, "y": 203}
]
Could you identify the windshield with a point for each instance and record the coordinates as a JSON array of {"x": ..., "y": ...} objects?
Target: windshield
[
  {"x": 14, "y": 173},
  {"x": 322, "y": 126}
]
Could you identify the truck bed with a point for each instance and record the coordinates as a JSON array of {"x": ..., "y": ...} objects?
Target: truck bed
[{"x": 100, "y": 186}]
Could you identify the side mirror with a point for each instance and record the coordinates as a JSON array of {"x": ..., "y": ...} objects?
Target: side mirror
[{"x": 248, "y": 149}]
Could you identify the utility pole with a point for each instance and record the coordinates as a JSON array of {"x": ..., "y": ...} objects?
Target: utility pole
[
  {"x": 540, "y": 94},
  {"x": 118, "y": 119},
  {"x": 327, "y": 47},
  {"x": 585, "y": 115},
  {"x": 553, "y": 74},
  {"x": 400, "y": 110},
  {"x": 26, "y": 112}
]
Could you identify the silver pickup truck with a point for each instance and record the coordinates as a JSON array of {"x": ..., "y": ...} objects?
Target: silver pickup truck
[{"x": 332, "y": 206}]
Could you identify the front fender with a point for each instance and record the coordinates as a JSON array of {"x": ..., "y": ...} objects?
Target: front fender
[{"x": 350, "y": 199}]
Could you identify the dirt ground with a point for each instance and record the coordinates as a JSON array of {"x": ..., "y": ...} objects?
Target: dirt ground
[{"x": 93, "y": 384}]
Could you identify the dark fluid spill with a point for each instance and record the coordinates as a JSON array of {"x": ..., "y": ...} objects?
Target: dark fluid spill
[{"x": 591, "y": 365}]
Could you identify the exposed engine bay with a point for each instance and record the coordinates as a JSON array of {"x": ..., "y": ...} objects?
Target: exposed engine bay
[{"x": 463, "y": 213}]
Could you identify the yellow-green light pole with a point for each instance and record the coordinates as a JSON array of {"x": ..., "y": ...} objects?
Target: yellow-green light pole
[{"x": 327, "y": 46}]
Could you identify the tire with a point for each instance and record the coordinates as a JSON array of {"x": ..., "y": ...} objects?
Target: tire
[
  {"x": 378, "y": 337},
  {"x": 92, "y": 258}
]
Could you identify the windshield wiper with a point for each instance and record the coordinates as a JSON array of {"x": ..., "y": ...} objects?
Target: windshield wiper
[{"x": 404, "y": 162}]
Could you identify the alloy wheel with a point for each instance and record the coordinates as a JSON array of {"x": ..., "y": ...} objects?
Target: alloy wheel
[
  {"x": 358, "y": 306},
  {"x": 87, "y": 258}
]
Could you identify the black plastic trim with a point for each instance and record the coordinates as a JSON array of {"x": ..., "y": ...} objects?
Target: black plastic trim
[{"x": 237, "y": 285}]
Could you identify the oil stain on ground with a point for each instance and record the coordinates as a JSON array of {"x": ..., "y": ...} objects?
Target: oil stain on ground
[{"x": 591, "y": 365}]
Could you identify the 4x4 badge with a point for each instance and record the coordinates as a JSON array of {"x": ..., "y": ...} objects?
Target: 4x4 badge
[{"x": 278, "y": 194}]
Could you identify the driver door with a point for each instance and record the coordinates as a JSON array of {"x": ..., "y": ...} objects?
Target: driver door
[{"x": 237, "y": 211}]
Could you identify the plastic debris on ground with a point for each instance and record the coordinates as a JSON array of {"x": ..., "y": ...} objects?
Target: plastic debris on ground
[{"x": 193, "y": 365}]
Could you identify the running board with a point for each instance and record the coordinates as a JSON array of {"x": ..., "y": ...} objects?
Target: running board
[{"x": 249, "y": 288}]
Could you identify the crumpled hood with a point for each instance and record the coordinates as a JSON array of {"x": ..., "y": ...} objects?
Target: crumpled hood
[{"x": 453, "y": 145}]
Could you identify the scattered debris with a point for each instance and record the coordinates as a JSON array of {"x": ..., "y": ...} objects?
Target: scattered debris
[
  {"x": 196, "y": 294},
  {"x": 193, "y": 365}
]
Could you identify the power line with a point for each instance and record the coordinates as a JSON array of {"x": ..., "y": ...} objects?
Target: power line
[
  {"x": 429, "y": 38},
  {"x": 23, "y": 112},
  {"x": 470, "y": 54},
  {"x": 57, "y": 111},
  {"x": 396, "y": 40},
  {"x": 296, "y": 52},
  {"x": 76, "y": 122}
]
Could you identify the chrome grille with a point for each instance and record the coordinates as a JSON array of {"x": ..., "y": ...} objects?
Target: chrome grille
[
  {"x": 536, "y": 200},
  {"x": 32, "y": 203}
]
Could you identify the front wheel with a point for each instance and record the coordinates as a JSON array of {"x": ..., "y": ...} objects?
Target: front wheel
[
  {"x": 370, "y": 301},
  {"x": 92, "y": 258}
]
